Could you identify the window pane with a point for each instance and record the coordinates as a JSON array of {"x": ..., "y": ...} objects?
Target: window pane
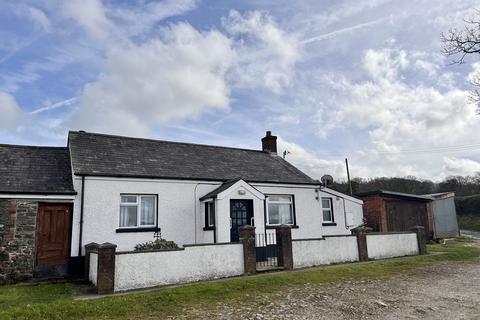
[
  {"x": 327, "y": 215},
  {"x": 211, "y": 214},
  {"x": 326, "y": 203},
  {"x": 129, "y": 199},
  {"x": 273, "y": 215},
  {"x": 128, "y": 216},
  {"x": 148, "y": 211},
  {"x": 280, "y": 198},
  {"x": 280, "y": 213}
]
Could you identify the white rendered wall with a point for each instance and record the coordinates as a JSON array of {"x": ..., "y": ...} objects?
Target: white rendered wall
[
  {"x": 93, "y": 268},
  {"x": 180, "y": 214},
  {"x": 391, "y": 245},
  {"x": 343, "y": 207},
  {"x": 150, "y": 269},
  {"x": 308, "y": 253}
]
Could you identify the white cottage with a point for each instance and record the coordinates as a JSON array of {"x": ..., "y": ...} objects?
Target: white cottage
[{"x": 127, "y": 189}]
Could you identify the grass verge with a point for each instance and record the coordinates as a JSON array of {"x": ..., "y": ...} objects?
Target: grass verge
[{"x": 55, "y": 301}]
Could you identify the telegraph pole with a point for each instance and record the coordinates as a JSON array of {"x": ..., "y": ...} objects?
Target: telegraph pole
[{"x": 348, "y": 177}]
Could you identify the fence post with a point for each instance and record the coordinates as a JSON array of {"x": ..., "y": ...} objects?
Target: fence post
[
  {"x": 106, "y": 268},
  {"x": 284, "y": 243},
  {"x": 247, "y": 238},
  {"x": 89, "y": 248},
  {"x": 421, "y": 239}
]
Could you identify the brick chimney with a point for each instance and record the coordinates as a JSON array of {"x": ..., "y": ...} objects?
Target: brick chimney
[{"x": 269, "y": 143}]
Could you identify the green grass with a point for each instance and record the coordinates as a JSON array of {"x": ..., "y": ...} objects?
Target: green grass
[
  {"x": 55, "y": 301},
  {"x": 469, "y": 222}
]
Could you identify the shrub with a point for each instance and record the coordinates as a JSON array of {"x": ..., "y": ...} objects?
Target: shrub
[{"x": 158, "y": 244}]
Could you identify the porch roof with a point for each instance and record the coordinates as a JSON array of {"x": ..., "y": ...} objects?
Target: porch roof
[
  {"x": 239, "y": 182},
  {"x": 224, "y": 186}
]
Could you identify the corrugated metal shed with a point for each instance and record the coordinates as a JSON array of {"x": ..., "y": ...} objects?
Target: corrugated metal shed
[{"x": 444, "y": 215}]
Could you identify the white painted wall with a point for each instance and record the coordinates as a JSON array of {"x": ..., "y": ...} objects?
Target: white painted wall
[
  {"x": 347, "y": 212},
  {"x": 150, "y": 269},
  {"x": 308, "y": 253},
  {"x": 391, "y": 245},
  {"x": 181, "y": 214},
  {"x": 93, "y": 269}
]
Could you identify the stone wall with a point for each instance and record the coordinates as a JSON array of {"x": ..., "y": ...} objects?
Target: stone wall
[{"x": 17, "y": 239}]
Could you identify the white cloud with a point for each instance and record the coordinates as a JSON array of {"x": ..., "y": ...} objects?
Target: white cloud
[
  {"x": 140, "y": 18},
  {"x": 39, "y": 17},
  {"x": 310, "y": 163},
  {"x": 266, "y": 53},
  {"x": 10, "y": 112},
  {"x": 183, "y": 73},
  {"x": 454, "y": 166},
  {"x": 178, "y": 77},
  {"x": 401, "y": 117},
  {"x": 90, "y": 15}
]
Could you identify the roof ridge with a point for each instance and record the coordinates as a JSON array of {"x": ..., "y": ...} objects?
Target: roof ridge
[
  {"x": 30, "y": 146},
  {"x": 165, "y": 141}
]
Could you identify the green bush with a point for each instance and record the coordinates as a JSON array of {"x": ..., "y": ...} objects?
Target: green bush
[{"x": 159, "y": 244}]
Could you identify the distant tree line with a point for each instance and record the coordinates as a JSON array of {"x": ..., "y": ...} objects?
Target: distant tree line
[{"x": 466, "y": 188}]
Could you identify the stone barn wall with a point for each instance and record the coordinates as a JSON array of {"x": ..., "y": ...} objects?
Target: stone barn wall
[{"x": 17, "y": 239}]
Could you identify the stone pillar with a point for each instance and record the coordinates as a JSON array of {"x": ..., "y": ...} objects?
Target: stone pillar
[
  {"x": 89, "y": 248},
  {"x": 421, "y": 239},
  {"x": 106, "y": 268},
  {"x": 247, "y": 238},
  {"x": 284, "y": 244}
]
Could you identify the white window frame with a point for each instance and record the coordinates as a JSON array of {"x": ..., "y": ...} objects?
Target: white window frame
[
  {"x": 210, "y": 224},
  {"x": 138, "y": 204},
  {"x": 292, "y": 210},
  {"x": 330, "y": 200}
]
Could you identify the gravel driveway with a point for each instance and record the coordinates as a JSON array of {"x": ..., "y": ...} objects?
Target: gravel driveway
[{"x": 448, "y": 290}]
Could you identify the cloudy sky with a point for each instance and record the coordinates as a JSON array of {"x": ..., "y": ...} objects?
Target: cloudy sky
[{"x": 362, "y": 79}]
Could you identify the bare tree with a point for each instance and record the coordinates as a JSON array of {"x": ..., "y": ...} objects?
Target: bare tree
[{"x": 460, "y": 43}]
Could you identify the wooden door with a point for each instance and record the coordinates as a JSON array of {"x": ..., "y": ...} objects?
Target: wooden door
[
  {"x": 53, "y": 234},
  {"x": 403, "y": 215}
]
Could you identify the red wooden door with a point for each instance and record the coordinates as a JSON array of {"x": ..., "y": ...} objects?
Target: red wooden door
[{"x": 53, "y": 234}]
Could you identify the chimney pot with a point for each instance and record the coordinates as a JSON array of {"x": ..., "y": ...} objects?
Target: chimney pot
[{"x": 269, "y": 142}]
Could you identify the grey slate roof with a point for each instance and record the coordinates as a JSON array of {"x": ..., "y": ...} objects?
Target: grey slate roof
[
  {"x": 35, "y": 170},
  {"x": 115, "y": 156}
]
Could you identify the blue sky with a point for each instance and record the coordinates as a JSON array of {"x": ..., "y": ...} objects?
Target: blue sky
[{"x": 333, "y": 79}]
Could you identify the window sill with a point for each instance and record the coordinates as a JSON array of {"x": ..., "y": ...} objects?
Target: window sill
[
  {"x": 329, "y": 224},
  {"x": 273, "y": 227},
  {"x": 208, "y": 228},
  {"x": 127, "y": 230}
]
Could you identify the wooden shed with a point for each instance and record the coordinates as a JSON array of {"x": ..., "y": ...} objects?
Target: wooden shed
[{"x": 387, "y": 211}]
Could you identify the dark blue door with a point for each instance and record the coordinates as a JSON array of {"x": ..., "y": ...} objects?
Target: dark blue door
[{"x": 241, "y": 213}]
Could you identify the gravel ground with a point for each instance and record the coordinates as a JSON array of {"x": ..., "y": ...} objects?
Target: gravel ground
[{"x": 441, "y": 291}]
